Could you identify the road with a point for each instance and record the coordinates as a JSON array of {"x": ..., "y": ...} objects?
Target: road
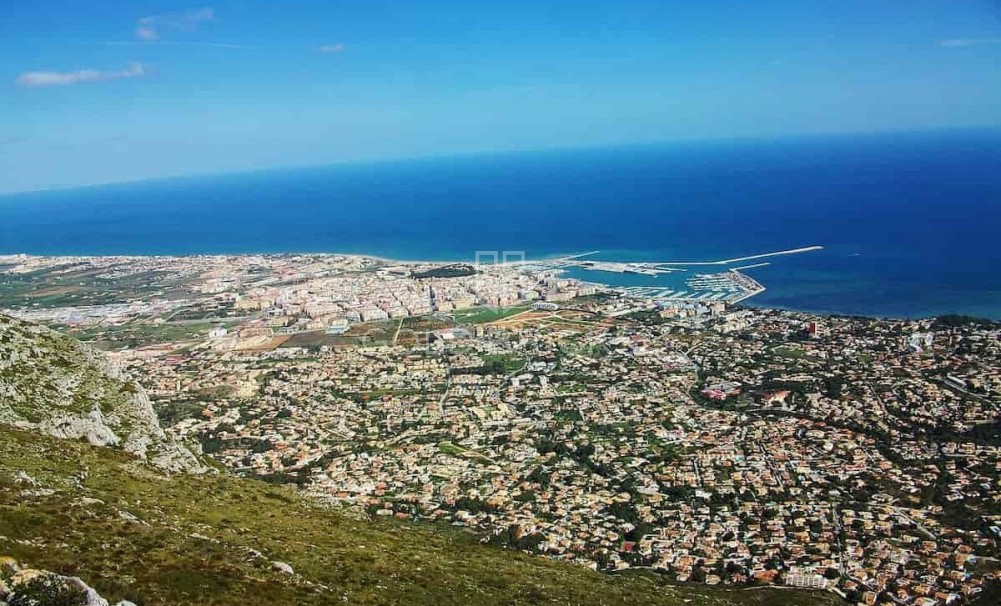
[{"x": 397, "y": 335}]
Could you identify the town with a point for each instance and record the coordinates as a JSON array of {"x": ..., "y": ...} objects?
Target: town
[{"x": 711, "y": 443}]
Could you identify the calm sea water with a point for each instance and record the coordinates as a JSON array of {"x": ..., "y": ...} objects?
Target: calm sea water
[{"x": 911, "y": 224}]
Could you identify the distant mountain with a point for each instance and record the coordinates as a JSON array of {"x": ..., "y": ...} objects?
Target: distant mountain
[{"x": 56, "y": 385}]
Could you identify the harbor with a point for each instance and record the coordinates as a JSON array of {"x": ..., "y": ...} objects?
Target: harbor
[
  {"x": 728, "y": 287},
  {"x": 675, "y": 282}
]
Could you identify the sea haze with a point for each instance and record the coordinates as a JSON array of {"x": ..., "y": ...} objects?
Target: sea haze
[{"x": 911, "y": 224}]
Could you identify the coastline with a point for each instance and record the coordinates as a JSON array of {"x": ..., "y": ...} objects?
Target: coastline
[
  {"x": 884, "y": 251},
  {"x": 555, "y": 261},
  {"x": 392, "y": 260}
]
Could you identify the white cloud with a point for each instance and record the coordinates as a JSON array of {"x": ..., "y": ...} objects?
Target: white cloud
[
  {"x": 145, "y": 30},
  {"x": 148, "y": 28},
  {"x": 132, "y": 70},
  {"x": 965, "y": 42},
  {"x": 331, "y": 48}
]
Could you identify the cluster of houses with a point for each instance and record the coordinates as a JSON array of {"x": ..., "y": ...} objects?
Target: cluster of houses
[{"x": 707, "y": 456}]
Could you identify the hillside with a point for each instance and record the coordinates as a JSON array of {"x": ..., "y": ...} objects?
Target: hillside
[{"x": 58, "y": 386}]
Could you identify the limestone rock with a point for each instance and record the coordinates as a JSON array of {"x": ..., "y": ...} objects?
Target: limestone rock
[
  {"x": 63, "y": 388},
  {"x": 23, "y": 479},
  {"x": 40, "y": 587}
]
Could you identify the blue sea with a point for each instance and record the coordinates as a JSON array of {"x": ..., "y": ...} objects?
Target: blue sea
[{"x": 911, "y": 223}]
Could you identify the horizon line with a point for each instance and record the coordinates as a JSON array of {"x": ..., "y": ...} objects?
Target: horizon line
[{"x": 509, "y": 152}]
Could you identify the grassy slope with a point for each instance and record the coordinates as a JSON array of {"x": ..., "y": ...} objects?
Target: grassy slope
[{"x": 156, "y": 560}]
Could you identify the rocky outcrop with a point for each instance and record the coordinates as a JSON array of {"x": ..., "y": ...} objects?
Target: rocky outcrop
[
  {"x": 59, "y": 386},
  {"x": 30, "y": 587}
]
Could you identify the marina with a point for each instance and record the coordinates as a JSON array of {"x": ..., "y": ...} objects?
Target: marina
[
  {"x": 727, "y": 287},
  {"x": 678, "y": 285}
]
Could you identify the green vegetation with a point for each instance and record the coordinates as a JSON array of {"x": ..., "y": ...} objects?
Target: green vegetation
[
  {"x": 45, "y": 591},
  {"x": 501, "y": 364},
  {"x": 53, "y": 288},
  {"x": 458, "y": 451},
  {"x": 459, "y": 270},
  {"x": 595, "y": 299},
  {"x": 648, "y": 318},
  {"x": 955, "y": 321},
  {"x": 141, "y": 334},
  {"x": 211, "y": 540},
  {"x": 173, "y": 411},
  {"x": 450, "y": 449},
  {"x": 570, "y": 414},
  {"x": 480, "y": 315},
  {"x": 788, "y": 352}
]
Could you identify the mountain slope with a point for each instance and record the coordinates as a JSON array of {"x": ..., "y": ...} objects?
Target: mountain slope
[{"x": 56, "y": 385}]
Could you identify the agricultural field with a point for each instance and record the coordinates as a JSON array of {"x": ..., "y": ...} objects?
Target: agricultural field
[{"x": 480, "y": 315}]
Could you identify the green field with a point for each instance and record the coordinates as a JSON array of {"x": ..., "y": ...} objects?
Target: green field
[
  {"x": 48, "y": 288},
  {"x": 140, "y": 334},
  {"x": 480, "y": 315},
  {"x": 789, "y": 352}
]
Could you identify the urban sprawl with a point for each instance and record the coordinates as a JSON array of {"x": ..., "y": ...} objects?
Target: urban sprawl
[{"x": 709, "y": 442}]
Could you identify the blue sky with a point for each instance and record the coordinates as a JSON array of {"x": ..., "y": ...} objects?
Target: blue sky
[{"x": 97, "y": 92}]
